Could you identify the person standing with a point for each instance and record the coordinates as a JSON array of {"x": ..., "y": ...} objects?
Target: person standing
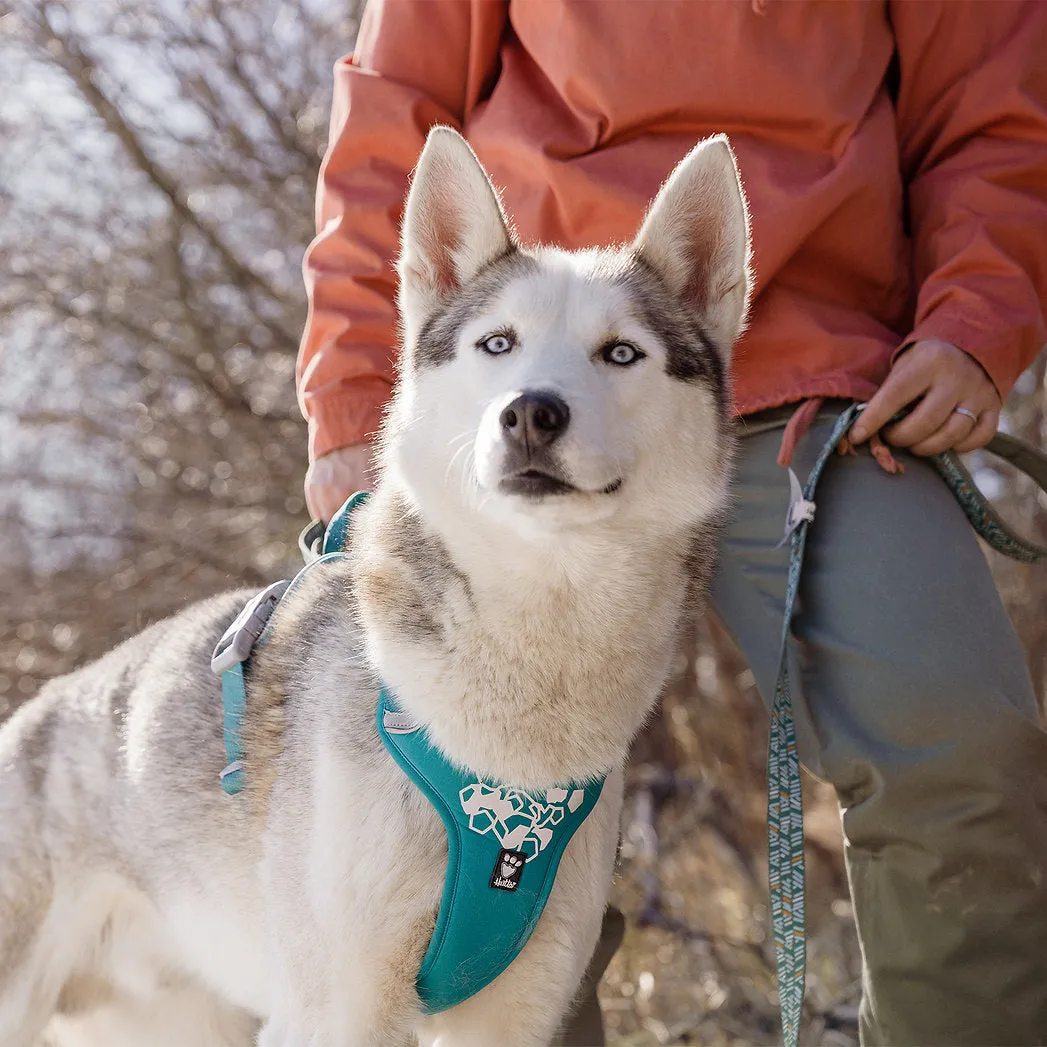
[{"x": 895, "y": 159}]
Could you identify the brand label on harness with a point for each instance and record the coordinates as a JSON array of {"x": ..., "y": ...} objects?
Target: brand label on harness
[{"x": 508, "y": 870}]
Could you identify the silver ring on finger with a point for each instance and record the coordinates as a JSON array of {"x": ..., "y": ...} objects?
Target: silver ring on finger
[{"x": 967, "y": 413}]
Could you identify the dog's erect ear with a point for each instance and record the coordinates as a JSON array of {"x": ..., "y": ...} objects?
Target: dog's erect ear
[
  {"x": 696, "y": 236},
  {"x": 453, "y": 224}
]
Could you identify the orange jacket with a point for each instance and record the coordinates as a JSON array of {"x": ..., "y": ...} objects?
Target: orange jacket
[{"x": 894, "y": 154}]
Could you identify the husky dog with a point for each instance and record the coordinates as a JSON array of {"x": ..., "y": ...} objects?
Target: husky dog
[{"x": 555, "y": 467}]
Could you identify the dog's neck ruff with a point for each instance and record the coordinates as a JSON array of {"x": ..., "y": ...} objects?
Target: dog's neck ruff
[{"x": 504, "y": 845}]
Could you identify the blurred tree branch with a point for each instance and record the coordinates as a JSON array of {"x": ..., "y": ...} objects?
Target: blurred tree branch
[
  {"x": 155, "y": 203},
  {"x": 69, "y": 55}
]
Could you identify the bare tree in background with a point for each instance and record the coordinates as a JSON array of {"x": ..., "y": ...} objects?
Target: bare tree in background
[
  {"x": 159, "y": 168},
  {"x": 156, "y": 195}
]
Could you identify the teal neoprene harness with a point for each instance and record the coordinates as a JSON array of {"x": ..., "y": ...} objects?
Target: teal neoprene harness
[
  {"x": 503, "y": 844},
  {"x": 503, "y": 849},
  {"x": 477, "y": 932}
]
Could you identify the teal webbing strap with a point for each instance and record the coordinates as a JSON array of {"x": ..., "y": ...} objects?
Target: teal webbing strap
[
  {"x": 318, "y": 546},
  {"x": 503, "y": 849},
  {"x": 784, "y": 796},
  {"x": 336, "y": 536},
  {"x": 234, "y": 698}
]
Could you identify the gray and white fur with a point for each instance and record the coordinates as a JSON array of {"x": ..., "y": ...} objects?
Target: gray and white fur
[{"x": 555, "y": 464}]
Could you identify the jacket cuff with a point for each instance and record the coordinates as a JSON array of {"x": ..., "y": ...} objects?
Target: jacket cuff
[
  {"x": 998, "y": 350},
  {"x": 350, "y": 415}
]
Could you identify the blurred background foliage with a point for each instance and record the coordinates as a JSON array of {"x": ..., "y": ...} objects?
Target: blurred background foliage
[{"x": 156, "y": 196}]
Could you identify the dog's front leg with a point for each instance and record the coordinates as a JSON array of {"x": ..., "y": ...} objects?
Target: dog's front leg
[
  {"x": 346, "y": 983},
  {"x": 278, "y": 1035},
  {"x": 273, "y": 1035},
  {"x": 362, "y": 1015},
  {"x": 352, "y": 988},
  {"x": 352, "y": 876},
  {"x": 523, "y": 1007}
]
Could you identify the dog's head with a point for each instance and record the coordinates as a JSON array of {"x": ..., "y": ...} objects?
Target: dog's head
[{"x": 550, "y": 390}]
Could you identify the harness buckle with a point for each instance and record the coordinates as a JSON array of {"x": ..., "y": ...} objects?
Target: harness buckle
[{"x": 239, "y": 639}]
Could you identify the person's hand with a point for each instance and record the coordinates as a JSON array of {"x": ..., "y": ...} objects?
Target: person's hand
[
  {"x": 943, "y": 378},
  {"x": 335, "y": 476}
]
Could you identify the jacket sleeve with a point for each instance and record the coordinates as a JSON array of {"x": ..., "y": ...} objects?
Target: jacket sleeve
[
  {"x": 417, "y": 63},
  {"x": 972, "y": 120}
]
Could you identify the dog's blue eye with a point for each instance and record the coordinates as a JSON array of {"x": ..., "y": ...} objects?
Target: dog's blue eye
[
  {"x": 622, "y": 354},
  {"x": 497, "y": 344}
]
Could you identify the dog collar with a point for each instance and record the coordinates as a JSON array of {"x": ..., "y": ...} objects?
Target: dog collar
[{"x": 504, "y": 845}]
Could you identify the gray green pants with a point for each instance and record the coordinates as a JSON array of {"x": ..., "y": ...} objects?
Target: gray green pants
[{"x": 912, "y": 697}]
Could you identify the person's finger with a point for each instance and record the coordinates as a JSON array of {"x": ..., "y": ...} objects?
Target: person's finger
[
  {"x": 336, "y": 475},
  {"x": 955, "y": 429},
  {"x": 327, "y": 499},
  {"x": 931, "y": 414},
  {"x": 320, "y": 499},
  {"x": 903, "y": 385},
  {"x": 982, "y": 433}
]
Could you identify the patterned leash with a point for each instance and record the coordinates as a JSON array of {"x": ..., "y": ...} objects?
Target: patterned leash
[{"x": 784, "y": 798}]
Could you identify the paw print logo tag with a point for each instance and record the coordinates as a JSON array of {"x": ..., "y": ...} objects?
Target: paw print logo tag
[{"x": 508, "y": 870}]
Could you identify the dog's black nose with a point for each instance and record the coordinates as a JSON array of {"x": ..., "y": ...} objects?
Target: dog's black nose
[{"x": 536, "y": 419}]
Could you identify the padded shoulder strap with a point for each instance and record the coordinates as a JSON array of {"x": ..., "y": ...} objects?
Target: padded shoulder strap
[
  {"x": 503, "y": 849},
  {"x": 337, "y": 534}
]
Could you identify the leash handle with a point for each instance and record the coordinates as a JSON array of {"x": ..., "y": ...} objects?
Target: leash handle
[{"x": 979, "y": 511}]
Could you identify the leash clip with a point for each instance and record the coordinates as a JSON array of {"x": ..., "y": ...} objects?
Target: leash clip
[
  {"x": 800, "y": 509},
  {"x": 239, "y": 639}
]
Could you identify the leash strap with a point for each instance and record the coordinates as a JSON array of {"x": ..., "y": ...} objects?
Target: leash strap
[
  {"x": 984, "y": 519},
  {"x": 784, "y": 796}
]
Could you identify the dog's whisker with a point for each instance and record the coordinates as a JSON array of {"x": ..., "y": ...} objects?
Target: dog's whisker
[
  {"x": 454, "y": 458},
  {"x": 470, "y": 479},
  {"x": 469, "y": 434}
]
